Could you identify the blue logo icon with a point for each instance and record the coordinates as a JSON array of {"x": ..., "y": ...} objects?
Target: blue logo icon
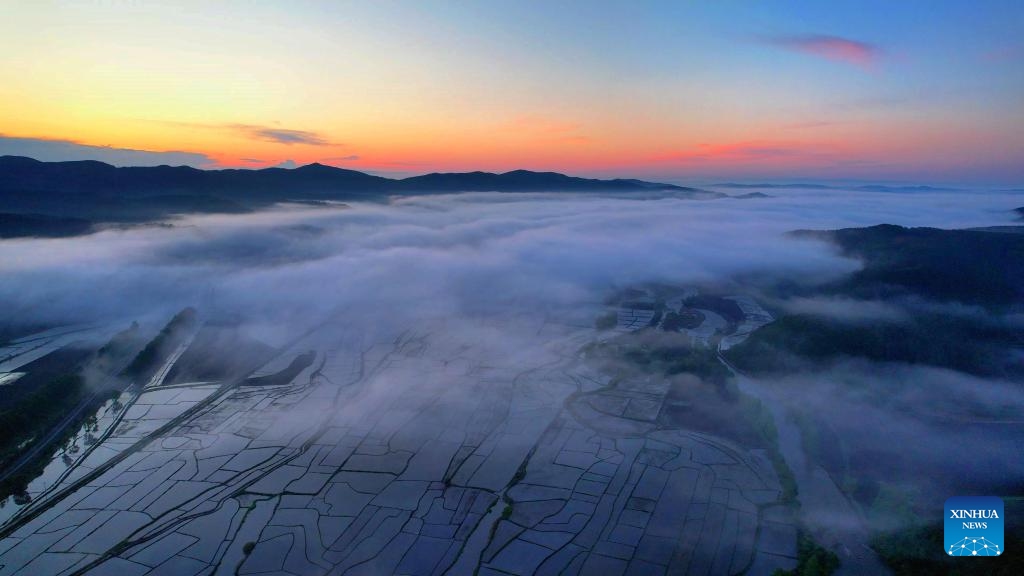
[{"x": 974, "y": 526}]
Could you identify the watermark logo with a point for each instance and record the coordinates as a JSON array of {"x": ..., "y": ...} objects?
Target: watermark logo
[{"x": 974, "y": 526}]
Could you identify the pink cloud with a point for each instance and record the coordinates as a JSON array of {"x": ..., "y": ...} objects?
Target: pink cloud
[{"x": 832, "y": 48}]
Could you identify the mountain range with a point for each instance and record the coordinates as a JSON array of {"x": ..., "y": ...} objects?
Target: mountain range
[
  {"x": 38, "y": 198},
  {"x": 861, "y": 187}
]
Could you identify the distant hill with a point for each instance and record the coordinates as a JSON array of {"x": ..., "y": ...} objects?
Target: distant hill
[
  {"x": 770, "y": 186},
  {"x": 881, "y": 188},
  {"x": 864, "y": 187},
  {"x": 1012, "y": 229},
  {"x": 969, "y": 266},
  {"x": 523, "y": 181},
  {"x": 1020, "y": 212},
  {"x": 87, "y": 176},
  {"x": 17, "y": 225},
  {"x": 97, "y": 192},
  {"x": 905, "y": 267}
]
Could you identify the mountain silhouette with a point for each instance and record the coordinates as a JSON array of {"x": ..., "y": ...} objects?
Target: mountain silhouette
[
  {"x": 95, "y": 192},
  {"x": 21, "y": 173}
]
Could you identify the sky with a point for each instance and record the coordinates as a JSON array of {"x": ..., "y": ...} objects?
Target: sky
[{"x": 686, "y": 92}]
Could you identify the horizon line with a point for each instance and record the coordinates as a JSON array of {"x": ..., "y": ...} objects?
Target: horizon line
[{"x": 783, "y": 182}]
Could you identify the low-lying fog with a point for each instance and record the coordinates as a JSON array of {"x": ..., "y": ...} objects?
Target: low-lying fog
[
  {"x": 423, "y": 258},
  {"x": 454, "y": 254}
]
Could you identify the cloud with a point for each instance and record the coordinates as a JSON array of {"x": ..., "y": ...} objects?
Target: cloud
[
  {"x": 535, "y": 249},
  {"x": 847, "y": 310},
  {"x": 55, "y": 150},
  {"x": 287, "y": 164},
  {"x": 280, "y": 135},
  {"x": 349, "y": 158},
  {"x": 833, "y": 48},
  {"x": 257, "y": 132},
  {"x": 474, "y": 250},
  {"x": 878, "y": 410}
]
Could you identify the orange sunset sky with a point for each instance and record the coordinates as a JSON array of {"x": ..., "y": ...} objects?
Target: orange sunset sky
[{"x": 681, "y": 92}]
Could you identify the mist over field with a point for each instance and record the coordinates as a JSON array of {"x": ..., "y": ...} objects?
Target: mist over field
[
  {"x": 466, "y": 285},
  {"x": 453, "y": 254},
  {"x": 453, "y": 260}
]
